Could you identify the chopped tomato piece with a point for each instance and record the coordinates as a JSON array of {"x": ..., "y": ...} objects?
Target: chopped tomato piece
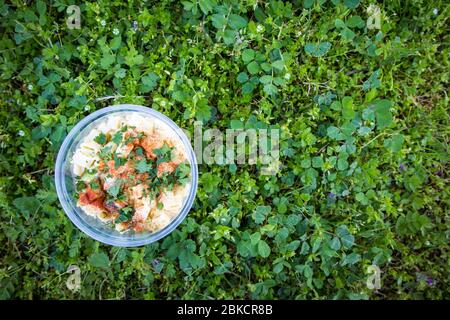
[
  {"x": 166, "y": 167},
  {"x": 83, "y": 199},
  {"x": 149, "y": 143},
  {"x": 93, "y": 194},
  {"x": 121, "y": 171},
  {"x": 139, "y": 227},
  {"x": 98, "y": 204}
]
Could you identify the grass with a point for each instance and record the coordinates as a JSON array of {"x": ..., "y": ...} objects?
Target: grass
[{"x": 363, "y": 115}]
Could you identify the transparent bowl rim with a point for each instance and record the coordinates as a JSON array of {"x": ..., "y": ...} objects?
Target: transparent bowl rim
[{"x": 63, "y": 193}]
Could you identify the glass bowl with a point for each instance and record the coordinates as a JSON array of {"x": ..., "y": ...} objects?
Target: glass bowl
[{"x": 65, "y": 186}]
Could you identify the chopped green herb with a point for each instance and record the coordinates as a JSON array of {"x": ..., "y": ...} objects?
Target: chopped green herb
[
  {"x": 101, "y": 139},
  {"x": 143, "y": 166},
  {"x": 80, "y": 186},
  {"x": 118, "y": 161},
  {"x": 105, "y": 153},
  {"x": 94, "y": 185},
  {"x": 117, "y": 137},
  {"x": 115, "y": 189},
  {"x": 125, "y": 214},
  {"x": 139, "y": 151}
]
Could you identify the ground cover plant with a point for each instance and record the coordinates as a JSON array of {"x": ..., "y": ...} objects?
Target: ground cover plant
[{"x": 363, "y": 114}]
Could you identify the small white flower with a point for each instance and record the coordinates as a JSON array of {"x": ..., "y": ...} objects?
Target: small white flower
[
  {"x": 259, "y": 28},
  {"x": 86, "y": 108},
  {"x": 116, "y": 31},
  {"x": 30, "y": 87},
  {"x": 21, "y": 133},
  {"x": 287, "y": 76},
  {"x": 435, "y": 11},
  {"x": 163, "y": 103},
  {"x": 103, "y": 23}
]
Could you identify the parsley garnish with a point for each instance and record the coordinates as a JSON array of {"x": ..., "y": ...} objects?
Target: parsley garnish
[
  {"x": 101, "y": 139},
  {"x": 143, "y": 166},
  {"x": 125, "y": 214},
  {"x": 139, "y": 151},
  {"x": 115, "y": 189},
  {"x": 117, "y": 137},
  {"x": 94, "y": 185},
  {"x": 105, "y": 152},
  {"x": 164, "y": 154}
]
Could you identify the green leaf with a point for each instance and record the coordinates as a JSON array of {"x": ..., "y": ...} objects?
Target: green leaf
[
  {"x": 351, "y": 4},
  {"x": 253, "y": 67},
  {"x": 382, "y": 113},
  {"x": 316, "y": 244},
  {"x": 278, "y": 267},
  {"x": 107, "y": 60},
  {"x": 206, "y": 5},
  {"x": 41, "y": 7},
  {"x": 218, "y": 20},
  {"x": 356, "y": 22},
  {"x": 237, "y": 22},
  {"x": 335, "y": 243},
  {"x": 115, "y": 43},
  {"x": 236, "y": 124},
  {"x": 263, "y": 249},
  {"x": 342, "y": 164},
  {"x": 308, "y": 3},
  {"x": 255, "y": 237},
  {"x": 248, "y": 88},
  {"x": 361, "y": 197},
  {"x": 338, "y": 23},
  {"x": 293, "y": 245},
  {"x": 242, "y": 77},
  {"x": 394, "y": 143},
  {"x": 99, "y": 260},
  {"x": 279, "y": 65},
  {"x": 133, "y": 58},
  {"x": 120, "y": 73},
  {"x": 270, "y": 89},
  {"x": 351, "y": 259},
  {"x": 248, "y": 55},
  {"x": 149, "y": 82},
  {"x": 373, "y": 82},
  {"x": 348, "y": 34},
  {"x": 317, "y": 162},
  {"x": 203, "y": 112},
  {"x": 267, "y": 67},
  {"x": 260, "y": 213},
  {"x": 346, "y": 238},
  {"x": 229, "y": 36},
  {"x": 333, "y": 132},
  {"x": 347, "y": 108},
  {"x": 244, "y": 248},
  {"x": 305, "y": 248},
  {"x": 317, "y": 50},
  {"x": 27, "y": 206},
  {"x": 265, "y": 79}
]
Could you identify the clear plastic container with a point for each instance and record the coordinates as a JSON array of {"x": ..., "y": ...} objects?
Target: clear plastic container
[{"x": 65, "y": 185}]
